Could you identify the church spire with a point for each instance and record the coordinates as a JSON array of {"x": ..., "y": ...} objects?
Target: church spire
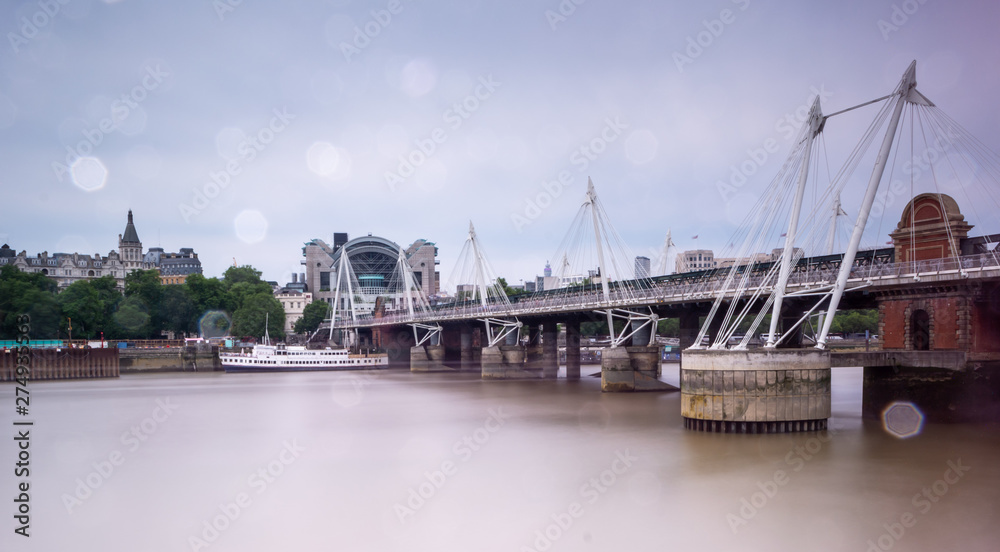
[{"x": 130, "y": 235}]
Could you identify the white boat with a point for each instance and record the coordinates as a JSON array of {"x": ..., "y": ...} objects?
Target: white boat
[{"x": 281, "y": 358}]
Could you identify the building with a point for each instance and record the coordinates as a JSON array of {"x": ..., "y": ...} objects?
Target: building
[
  {"x": 130, "y": 248},
  {"x": 422, "y": 256},
  {"x": 66, "y": 268},
  {"x": 294, "y": 303},
  {"x": 641, "y": 267},
  {"x": 173, "y": 280},
  {"x": 726, "y": 262},
  {"x": 373, "y": 261},
  {"x": 695, "y": 259},
  {"x": 181, "y": 263}
]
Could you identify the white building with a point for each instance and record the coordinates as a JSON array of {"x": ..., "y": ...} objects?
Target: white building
[{"x": 294, "y": 303}]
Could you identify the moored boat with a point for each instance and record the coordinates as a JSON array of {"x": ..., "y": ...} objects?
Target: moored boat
[{"x": 282, "y": 358}]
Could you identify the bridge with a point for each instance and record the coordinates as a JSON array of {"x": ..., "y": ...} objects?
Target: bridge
[{"x": 936, "y": 289}]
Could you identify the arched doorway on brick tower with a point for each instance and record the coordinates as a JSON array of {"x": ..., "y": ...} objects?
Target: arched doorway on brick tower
[{"x": 920, "y": 328}]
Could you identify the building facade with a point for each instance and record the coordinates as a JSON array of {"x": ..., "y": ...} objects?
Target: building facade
[
  {"x": 66, "y": 268},
  {"x": 695, "y": 259},
  {"x": 294, "y": 303},
  {"x": 373, "y": 261}
]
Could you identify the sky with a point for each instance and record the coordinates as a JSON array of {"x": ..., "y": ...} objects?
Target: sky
[{"x": 246, "y": 128}]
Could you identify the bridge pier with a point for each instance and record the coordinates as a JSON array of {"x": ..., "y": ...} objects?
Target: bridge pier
[
  {"x": 941, "y": 395},
  {"x": 625, "y": 369},
  {"x": 572, "y": 348},
  {"x": 550, "y": 350},
  {"x": 428, "y": 358},
  {"x": 505, "y": 362},
  {"x": 535, "y": 360},
  {"x": 468, "y": 357},
  {"x": 758, "y": 391}
]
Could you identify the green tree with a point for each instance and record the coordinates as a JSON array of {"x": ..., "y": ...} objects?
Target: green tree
[
  {"x": 236, "y": 274},
  {"x": 855, "y": 321},
  {"x": 144, "y": 290},
  {"x": 30, "y": 293},
  {"x": 207, "y": 294},
  {"x": 312, "y": 316},
  {"x": 80, "y": 304},
  {"x": 669, "y": 327},
  {"x": 509, "y": 291},
  {"x": 248, "y": 320},
  {"x": 133, "y": 319},
  {"x": 178, "y": 310}
]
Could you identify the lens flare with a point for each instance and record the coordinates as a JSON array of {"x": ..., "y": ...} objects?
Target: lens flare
[
  {"x": 902, "y": 419},
  {"x": 214, "y": 323}
]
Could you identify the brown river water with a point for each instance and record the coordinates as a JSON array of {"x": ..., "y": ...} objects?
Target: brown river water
[{"x": 373, "y": 461}]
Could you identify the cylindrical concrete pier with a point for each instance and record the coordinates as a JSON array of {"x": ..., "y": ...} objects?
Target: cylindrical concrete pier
[{"x": 760, "y": 391}]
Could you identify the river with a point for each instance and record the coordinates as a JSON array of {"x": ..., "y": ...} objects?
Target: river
[{"x": 374, "y": 461}]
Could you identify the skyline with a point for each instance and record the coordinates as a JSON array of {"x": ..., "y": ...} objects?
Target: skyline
[{"x": 407, "y": 120}]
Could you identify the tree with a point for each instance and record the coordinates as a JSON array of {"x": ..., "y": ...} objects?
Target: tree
[
  {"x": 248, "y": 320},
  {"x": 178, "y": 310},
  {"x": 669, "y": 327},
  {"x": 145, "y": 291},
  {"x": 81, "y": 304},
  {"x": 855, "y": 321},
  {"x": 312, "y": 316},
  {"x": 30, "y": 293},
  {"x": 509, "y": 291},
  {"x": 207, "y": 294},
  {"x": 236, "y": 274},
  {"x": 133, "y": 318}
]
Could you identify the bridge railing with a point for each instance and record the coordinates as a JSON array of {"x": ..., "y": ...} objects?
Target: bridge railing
[{"x": 704, "y": 287}]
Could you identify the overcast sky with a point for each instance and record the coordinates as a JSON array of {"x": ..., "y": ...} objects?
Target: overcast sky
[{"x": 245, "y": 130}]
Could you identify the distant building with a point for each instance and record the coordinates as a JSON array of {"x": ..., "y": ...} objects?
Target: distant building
[
  {"x": 294, "y": 303},
  {"x": 173, "y": 280},
  {"x": 796, "y": 252},
  {"x": 726, "y": 262},
  {"x": 66, "y": 268},
  {"x": 373, "y": 261},
  {"x": 641, "y": 267},
  {"x": 695, "y": 259}
]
